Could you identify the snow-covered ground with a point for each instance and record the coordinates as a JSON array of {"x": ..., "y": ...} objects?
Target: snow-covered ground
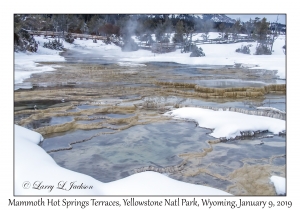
[
  {"x": 226, "y": 123},
  {"x": 279, "y": 184},
  {"x": 216, "y": 54},
  {"x": 27, "y": 63},
  {"x": 32, "y": 163}
]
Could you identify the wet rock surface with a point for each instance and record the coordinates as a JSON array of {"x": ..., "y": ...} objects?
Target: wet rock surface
[
  {"x": 105, "y": 120},
  {"x": 154, "y": 145}
]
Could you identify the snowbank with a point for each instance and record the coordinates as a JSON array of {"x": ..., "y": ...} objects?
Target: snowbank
[
  {"x": 228, "y": 124},
  {"x": 279, "y": 184},
  {"x": 26, "y": 63},
  {"x": 216, "y": 54},
  {"x": 34, "y": 168},
  {"x": 34, "y": 165},
  {"x": 222, "y": 54}
]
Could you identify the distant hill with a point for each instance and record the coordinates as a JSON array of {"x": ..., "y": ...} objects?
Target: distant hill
[{"x": 218, "y": 18}]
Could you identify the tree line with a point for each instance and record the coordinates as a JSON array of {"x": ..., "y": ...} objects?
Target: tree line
[{"x": 143, "y": 26}]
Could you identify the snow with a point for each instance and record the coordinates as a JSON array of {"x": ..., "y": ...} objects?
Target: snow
[
  {"x": 33, "y": 164},
  {"x": 152, "y": 183},
  {"x": 270, "y": 109},
  {"x": 226, "y": 123},
  {"x": 27, "y": 63},
  {"x": 223, "y": 54},
  {"x": 279, "y": 184},
  {"x": 216, "y": 54}
]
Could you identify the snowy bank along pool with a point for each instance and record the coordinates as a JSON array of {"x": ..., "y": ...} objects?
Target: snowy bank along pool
[{"x": 109, "y": 121}]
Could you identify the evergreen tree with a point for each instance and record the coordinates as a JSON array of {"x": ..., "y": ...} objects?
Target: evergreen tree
[
  {"x": 261, "y": 35},
  {"x": 249, "y": 27},
  {"x": 18, "y": 23},
  {"x": 168, "y": 26},
  {"x": 159, "y": 32},
  {"x": 236, "y": 29},
  {"x": 261, "y": 30},
  {"x": 179, "y": 31},
  {"x": 222, "y": 28},
  {"x": 149, "y": 25}
]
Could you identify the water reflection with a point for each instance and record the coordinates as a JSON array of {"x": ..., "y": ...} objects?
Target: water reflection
[{"x": 110, "y": 156}]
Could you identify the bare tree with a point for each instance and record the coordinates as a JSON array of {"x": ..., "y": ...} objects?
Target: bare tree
[
  {"x": 249, "y": 27},
  {"x": 71, "y": 21},
  {"x": 273, "y": 33},
  {"x": 31, "y": 21},
  {"x": 95, "y": 24},
  {"x": 84, "y": 28},
  {"x": 56, "y": 22}
]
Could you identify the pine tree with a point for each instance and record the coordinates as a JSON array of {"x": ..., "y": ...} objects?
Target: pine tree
[
  {"x": 236, "y": 29},
  {"x": 179, "y": 31},
  {"x": 222, "y": 28},
  {"x": 159, "y": 31},
  {"x": 168, "y": 26},
  {"x": 261, "y": 30},
  {"x": 261, "y": 35}
]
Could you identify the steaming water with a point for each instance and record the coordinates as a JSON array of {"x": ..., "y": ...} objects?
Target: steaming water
[
  {"x": 76, "y": 57},
  {"x": 155, "y": 143}
]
